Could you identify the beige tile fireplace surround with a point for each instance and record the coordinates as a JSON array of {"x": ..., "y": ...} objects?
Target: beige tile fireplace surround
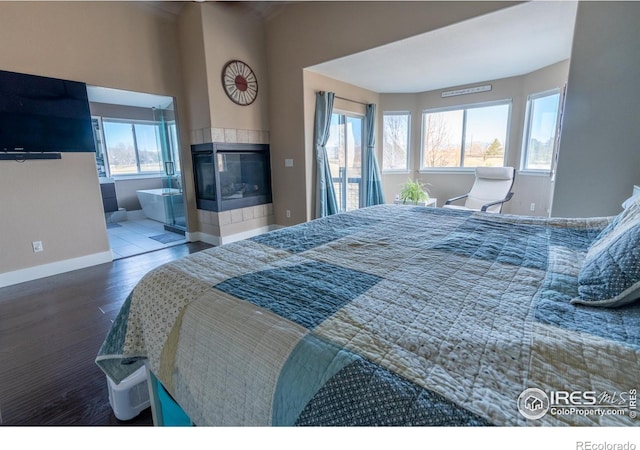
[
  {"x": 226, "y": 226},
  {"x": 229, "y": 136}
]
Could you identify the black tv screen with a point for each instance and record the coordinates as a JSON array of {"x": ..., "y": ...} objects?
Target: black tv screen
[{"x": 42, "y": 114}]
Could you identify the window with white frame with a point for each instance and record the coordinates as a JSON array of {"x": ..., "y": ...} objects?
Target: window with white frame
[
  {"x": 465, "y": 136},
  {"x": 541, "y": 126},
  {"x": 132, "y": 147},
  {"x": 395, "y": 141}
]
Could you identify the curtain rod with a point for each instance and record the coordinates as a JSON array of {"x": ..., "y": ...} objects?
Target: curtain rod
[{"x": 349, "y": 100}]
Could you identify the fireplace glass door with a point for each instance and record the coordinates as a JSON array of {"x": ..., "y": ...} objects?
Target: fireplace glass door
[
  {"x": 231, "y": 176},
  {"x": 242, "y": 175}
]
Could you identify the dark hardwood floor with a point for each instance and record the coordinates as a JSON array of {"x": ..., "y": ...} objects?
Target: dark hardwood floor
[{"x": 50, "y": 332}]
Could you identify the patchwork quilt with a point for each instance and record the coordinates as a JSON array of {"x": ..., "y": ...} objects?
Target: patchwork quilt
[{"x": 389, "y": 315}]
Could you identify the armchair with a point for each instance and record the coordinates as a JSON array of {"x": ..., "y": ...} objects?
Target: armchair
[{"x": 491, "y": 189}]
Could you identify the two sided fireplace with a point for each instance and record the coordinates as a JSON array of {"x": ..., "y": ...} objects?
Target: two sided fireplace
[{"x": 231, "y": 176}]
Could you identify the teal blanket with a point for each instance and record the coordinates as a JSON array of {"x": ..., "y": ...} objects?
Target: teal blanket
[{"x": 389, "y": 315}]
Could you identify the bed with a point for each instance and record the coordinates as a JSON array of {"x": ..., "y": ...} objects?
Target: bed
[{"x": 396, "y": 315}]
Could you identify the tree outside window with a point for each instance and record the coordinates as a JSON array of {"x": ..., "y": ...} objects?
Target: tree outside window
[
  {"x": 465, "y": 136},
  {"x": 395, "y": 141}
]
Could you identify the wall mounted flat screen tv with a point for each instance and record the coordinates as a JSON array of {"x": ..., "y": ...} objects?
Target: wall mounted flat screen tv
[{"x": 42, "y": 114}]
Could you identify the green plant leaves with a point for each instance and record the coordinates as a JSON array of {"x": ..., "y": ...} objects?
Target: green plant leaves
[{"x": 414, "y": 191}]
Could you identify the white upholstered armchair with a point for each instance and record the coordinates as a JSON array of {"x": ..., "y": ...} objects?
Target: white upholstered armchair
[{"x": 489, "y": 192}]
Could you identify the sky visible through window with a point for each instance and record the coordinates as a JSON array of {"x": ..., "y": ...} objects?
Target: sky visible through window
[
  {"x": 544, "y": 121},
  {"x": 466, "y": 137},
  {"x": 128, "y": 155},
  {"x": 541, "y": 131},
  {"x": 487, "y": 124}
]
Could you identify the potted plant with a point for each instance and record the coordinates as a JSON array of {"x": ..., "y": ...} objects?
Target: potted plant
[{"x": 414, "y": 192}]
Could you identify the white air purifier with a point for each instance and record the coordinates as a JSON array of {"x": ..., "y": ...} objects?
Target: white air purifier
[{"x": 131, "y": 396}]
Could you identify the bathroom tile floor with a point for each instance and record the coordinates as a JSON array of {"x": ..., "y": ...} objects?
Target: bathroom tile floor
[{"x": 133, "y": 237}]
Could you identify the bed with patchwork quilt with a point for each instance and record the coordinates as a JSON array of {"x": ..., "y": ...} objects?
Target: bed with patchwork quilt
[{"x": 397, "y": 315}]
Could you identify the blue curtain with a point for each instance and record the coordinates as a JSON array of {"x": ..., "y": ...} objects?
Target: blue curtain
[
  {"x": 372, "y": 181},
  {"x": 326, "y": 203}
]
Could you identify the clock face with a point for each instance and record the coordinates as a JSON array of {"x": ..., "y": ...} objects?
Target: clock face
[{"x": 239, "y": 82}]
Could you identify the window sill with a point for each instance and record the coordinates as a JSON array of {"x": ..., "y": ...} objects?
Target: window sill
[
  {"x": 395, "y": 172},
  {"x": 137, "y": 176},
  {"x": 535, "y": 173},
  {"x": 449, "y": 170}
]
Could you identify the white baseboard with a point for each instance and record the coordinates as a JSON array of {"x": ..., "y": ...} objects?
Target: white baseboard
[
  {"x": 58, "y": 267},
  {"x": 202, "y": 237},
  {"x": 54, "y": 268}
]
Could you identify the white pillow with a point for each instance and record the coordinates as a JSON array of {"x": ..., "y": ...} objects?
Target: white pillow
[{"x": 630, "y": 201}]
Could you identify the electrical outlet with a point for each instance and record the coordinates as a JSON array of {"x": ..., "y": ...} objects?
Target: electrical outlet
[
  {"x": 288, "y": 162},
  {"x": 37, "y": 246},
  {"x": 288, "y": 214},
  {"x": 532, "y": 207}
]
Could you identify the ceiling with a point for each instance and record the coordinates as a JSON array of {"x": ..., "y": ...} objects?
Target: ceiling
[
  {"x": 99, "y": 94},
  {"x": 511, "y": 42}
]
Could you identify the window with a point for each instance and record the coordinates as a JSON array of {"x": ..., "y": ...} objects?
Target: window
[
  {"x": 344, "y": 152},
  {"x": 541, "y": 125},
  {"x": 468, "y": 136},
  {"x": 395, "y": 141},
  {"x": 132, "y": 147}
]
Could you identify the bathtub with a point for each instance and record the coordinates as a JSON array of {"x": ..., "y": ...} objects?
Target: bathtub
[{"x": 157, "y": 203}]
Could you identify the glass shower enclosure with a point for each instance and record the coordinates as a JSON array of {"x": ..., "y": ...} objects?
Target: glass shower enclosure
[{"x": 169, "y": 144}]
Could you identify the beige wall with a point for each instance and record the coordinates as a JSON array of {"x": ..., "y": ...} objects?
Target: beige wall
[
  {"x": 211, "y": 34},
  {"x": 114, "y": 44},
  {"x": 231, "y": 33},
  {"x": 121, "y": 111},
  {"x": 599, "y": 160},
  {"x": 308, "y": 33},
  {"x": 57, "y": 202},
  {"x": 193, "y": 67},
  {"x": 529, "y": 188}
]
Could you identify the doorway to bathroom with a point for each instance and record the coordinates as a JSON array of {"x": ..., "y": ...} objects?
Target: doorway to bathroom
[{"x": 138, "y": 165}]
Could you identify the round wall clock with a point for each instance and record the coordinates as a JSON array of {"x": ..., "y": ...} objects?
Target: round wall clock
[{"x": 239, "y": 82}]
